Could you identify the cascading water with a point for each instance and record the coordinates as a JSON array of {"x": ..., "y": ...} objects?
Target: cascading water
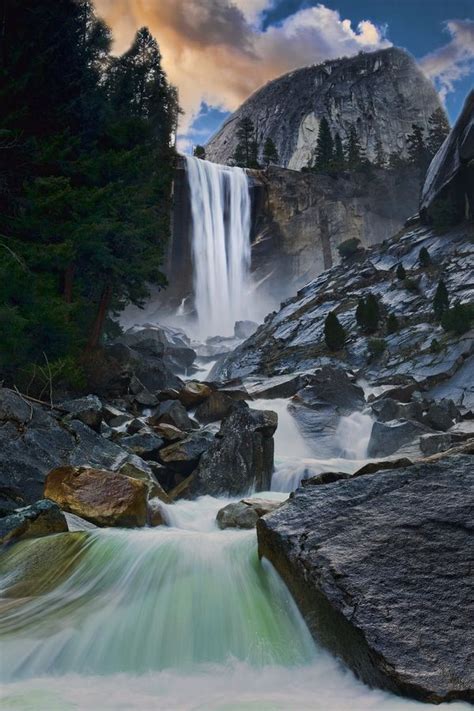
[{"x": 220, "y": 208}]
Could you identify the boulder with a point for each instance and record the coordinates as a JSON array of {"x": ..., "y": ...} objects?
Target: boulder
[
  {"x": 440, "y": 442},
  {"x": 217, "y": 406},
  {"x": 277, "y": 386},
  {"x": 155, "y": 490},
  {"x": 194, "y": 393},
  {"x": 145, "y": 444},
  {"x": 245, "y": 513},
  {"x": 381, "y": 568},
  {"x": 103, "y": 497},
  {"x": 388, "y": 438},
  {"x": 39, "y": 519},
  {"x": 151, "y": 371},
  {"x": 241, "y": 457},
  {"x": 14, "y": 408},
  {"x": 441, "y": 415},
  {"x": 183, "y": 456},
  {"x": 169, "y": 433},
  {"x": 172, "y": 412},
  {"x": 86, "y": 409},
  {"x": 161, "y": 342},
  {"x": 324, "y": 478}
]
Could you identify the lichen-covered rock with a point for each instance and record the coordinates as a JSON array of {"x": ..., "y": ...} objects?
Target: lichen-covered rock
[
  {"x": 40, "y": 519},
  {"x": 103, "y": 497},
  {"x": 381, "y": 92},
  {"x": 194, "y": 393},
  {"x": 241, "y": 457},
  {"x": 381, "y": 567}
]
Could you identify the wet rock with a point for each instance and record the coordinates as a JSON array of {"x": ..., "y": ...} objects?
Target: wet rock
[
  {"x": 184, "y": 489},
  {"x": 13, "y": 408},
  {"x": 172, "y": 412},
  {"x": 169, "y": 433},
  {"x": 374, "y": 467},
  {"x": 85, "y": 409},
  {"x": 39, "y": 519},
  {"x": 217, "y": 406},
  {"x": 145, "y": 444},
  {"x": 194, "y": 393},
  {"x": 11, "y": 498},
  {"x": 388, "y": 409},
  {"x": 380, "y": 567},
  {"x": 324, "y": 478},
  {"x": 183, "y": 456},
  {"x": 155, "y": 514},
  {"x": 441, "y": 415},
  {"x": 245, "y": 513},
  {"x": 155, "y": 490},
  {"x": 150, "y": 371},
  {"x": 388, "y": 438},
  {"x": 145, "y": 398},
  {"x": 161, "y": 342},
  {"x": 135, "y": 426},
  {"x": 333, "y": 386},
  {"x": 278, "y": 386},
  {"x": 241, "y": 457},
  {"x": 434, "y": 443},
  {"x": 103, "y": 497}
]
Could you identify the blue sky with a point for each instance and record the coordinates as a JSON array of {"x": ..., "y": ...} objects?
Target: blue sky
[
  {"x": 417, "y": 25},
  {"x": 217, "y": 52}
]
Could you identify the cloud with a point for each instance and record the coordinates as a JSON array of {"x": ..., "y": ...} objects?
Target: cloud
[
  {"x": 216, "y": 52},
  {"x": 454, "y": 60}
]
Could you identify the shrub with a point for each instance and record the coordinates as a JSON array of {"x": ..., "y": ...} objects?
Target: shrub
[
  {"x": 401, "y": 273},
  {"x": 458, "y": 319},
  {"x": 375, "y": 347},
  {"x": 444, "y": 214},
  {"x": 435, "y": 346},
  {"x": 349, "y": 247},
  {"x": 424, "y": 258},
  {"x": 334, "y": 334},
  {"x": 372, "y": 314},
  {"x": 411, "y": 285},
  {"x": 392, "y": 324},
  {"x": 441, "y": 300}
]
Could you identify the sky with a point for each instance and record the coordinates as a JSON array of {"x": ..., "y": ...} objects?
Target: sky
[{"x": 217, "y": 52}]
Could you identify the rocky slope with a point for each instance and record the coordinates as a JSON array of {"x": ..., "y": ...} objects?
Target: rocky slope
[
  {"x": 381, "y": 93},
  {"x": 380, "y": 566}
]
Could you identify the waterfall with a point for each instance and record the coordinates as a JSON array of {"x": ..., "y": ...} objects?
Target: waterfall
[{"x": 220, "y": 209}]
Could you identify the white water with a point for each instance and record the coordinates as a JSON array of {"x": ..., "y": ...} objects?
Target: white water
[{"x": 220, "y": 207}]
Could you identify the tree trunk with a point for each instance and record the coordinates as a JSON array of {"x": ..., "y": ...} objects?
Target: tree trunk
[
  {"x": 98, "y": 326},
  {"x": 68, "y": 283}
]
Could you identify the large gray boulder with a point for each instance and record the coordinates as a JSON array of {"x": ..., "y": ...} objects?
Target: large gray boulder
[
  {"x": 389, "y": 437},
  {"x": 241, "y": 457},
  {"x": 450, "y": 176},
  {"x": 381, "y": 567},
  {"x": 245, "y": 513},
  {"x": 161, "y": 342}
]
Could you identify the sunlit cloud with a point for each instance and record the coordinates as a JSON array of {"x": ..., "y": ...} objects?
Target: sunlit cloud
[{"x": 453, "y": 60}]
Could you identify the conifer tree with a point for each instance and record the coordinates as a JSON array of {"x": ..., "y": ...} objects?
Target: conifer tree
[
  {"x": 417, "y": 151},
  {"x": 392, "y": 323},
  {"x": 401, "y": 273},
  {"x": 270, "y": 153},
  {"x": 354, "y": 150},
  {"x": 199, "y": 152},
  {"x": 380, "y": 156},
  {"x": 324, "y": 148},
  {"x": 424, "y": 258},
  {"x": 334, "y": 334},
  {"x": 441, "y": 300},
  {"x": 246, "y": 152},
  {"x": 339, "y": 159},
  {"x": 438, "y": 129},
  {"x": 360, "y": 313}
]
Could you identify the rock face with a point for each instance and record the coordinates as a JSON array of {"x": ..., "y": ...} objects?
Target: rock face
[
  {"x": 291, "y": 340},
  {"x": 241, "y": 456},
  {"x": 40, "y": 519},
  {"x": 382, "y": 93},
  {"x": 381, "y": 567},
  {"x": 103, "y": 497},
  {"x": 451, "y": 173}
]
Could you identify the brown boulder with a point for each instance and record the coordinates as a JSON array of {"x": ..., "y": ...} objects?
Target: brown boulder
[
  {"x": 194, "y": 393},
  {"x": 103, "y": 497},
  {"x": 215, "y": 408}
]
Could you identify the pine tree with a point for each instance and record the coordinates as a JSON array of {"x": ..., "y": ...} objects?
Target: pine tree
[
  {"x": 199, "y": 152},
  {"x": 246, "y": 151},
  {"x": 416, "y": 148},
  {"x": 372, "y": 314},
  {"x": 339, "y": 160},
  {"x": 424, "y": 258},
  {"x": 438, "y": 129},
  {"x": 324, "y": 148},
  {"x": 401, "y": 273},
  {"x": 392, "y": 324},
  {"x": 441, "y": 300},
  {"x": 361, "y": 313},
  {"x": 354, "y": 150},
  {"x": 334, "y": 334},
  {"x": 380, "y": 156},
  {"x": 270, "y": 153}
]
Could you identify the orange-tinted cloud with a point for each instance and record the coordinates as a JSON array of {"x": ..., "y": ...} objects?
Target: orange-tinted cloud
[{"x": 214, "y": 50}]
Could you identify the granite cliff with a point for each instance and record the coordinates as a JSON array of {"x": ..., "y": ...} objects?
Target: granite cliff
[{"x": 380, "y": 93}]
